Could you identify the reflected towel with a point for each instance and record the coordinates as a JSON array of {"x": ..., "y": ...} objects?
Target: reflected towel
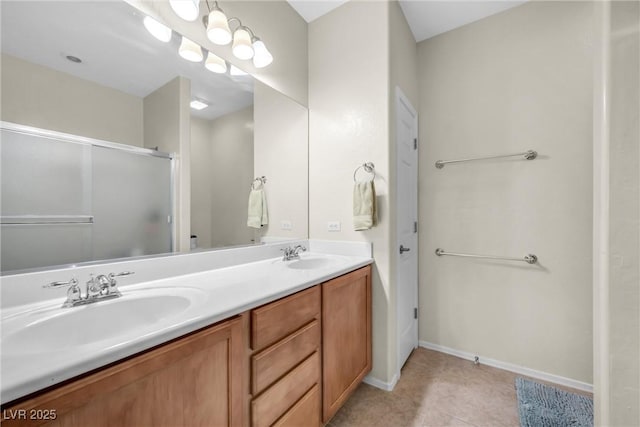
[
  {"x": 257, "y": 212},
  {"x": 364, "y": 205}
]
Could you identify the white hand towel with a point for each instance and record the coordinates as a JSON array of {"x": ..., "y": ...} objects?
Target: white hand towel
[
  {"x": 257, "y": 212},
  {"x": 364, "y": 205}
]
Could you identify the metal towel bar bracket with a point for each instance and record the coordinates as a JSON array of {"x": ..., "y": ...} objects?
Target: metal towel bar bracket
[
  {"x": 528, "y": 155},
  {"x": 529, "y": 259}
]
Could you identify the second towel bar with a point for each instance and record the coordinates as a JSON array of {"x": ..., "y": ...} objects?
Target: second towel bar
[
  {"x": 529, "y": 155},
  {"x": 530, "y": 258}
]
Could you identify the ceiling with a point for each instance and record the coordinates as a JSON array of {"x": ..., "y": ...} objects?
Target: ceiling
[{"x": 426, "y": 18}]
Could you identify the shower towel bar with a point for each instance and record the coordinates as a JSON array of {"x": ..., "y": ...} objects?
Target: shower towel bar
[
  {"x": 46, "y": 219},
  {"x": 528, "y": 155},
  {"x": 530, "y": 258}
]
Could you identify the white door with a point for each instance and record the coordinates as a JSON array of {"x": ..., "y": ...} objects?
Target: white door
[{"x": 407, "y": 226}]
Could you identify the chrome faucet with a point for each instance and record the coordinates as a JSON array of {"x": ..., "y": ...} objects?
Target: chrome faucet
[
  {"x": 97, "y": 289},
  {"x": 292, "y": 252}
]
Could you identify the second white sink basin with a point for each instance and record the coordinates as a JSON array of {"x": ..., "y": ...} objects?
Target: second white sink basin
[
  {"x": 309, "y": 263},
  {"x": 55, "y": 329}
]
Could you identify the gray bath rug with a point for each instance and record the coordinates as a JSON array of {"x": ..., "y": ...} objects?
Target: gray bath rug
[{"x": 541, "y": 405}]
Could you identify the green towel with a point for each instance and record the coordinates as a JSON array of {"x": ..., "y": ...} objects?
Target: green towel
[
  {"x": 257, "y": 212},
  {"x": 364, "y": 205}
]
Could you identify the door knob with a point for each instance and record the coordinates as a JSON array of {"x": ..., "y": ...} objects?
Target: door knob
[{"x": 403, "y": 249}]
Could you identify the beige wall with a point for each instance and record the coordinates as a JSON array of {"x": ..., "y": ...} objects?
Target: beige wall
[
  {"x": 624, "y": 279},
  {"x": 275, "y": 22},
  {"x": 281, "y": 154},
  {"x": 38, "y": 96},
  {"x": 231, "y": 175},
  {"x": 518, "y": 80},
  {"x": 349, "y": 125},
  {"x": 167, "y": 127},
  {"x": 201, "y": 171}
]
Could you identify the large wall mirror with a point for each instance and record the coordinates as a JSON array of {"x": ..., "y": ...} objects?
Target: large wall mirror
[{"x": 90, "y": 71}]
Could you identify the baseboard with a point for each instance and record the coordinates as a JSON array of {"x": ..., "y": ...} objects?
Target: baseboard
[
  {"x": 556, "y": 379},
  {"x": 375, "y": 382}
]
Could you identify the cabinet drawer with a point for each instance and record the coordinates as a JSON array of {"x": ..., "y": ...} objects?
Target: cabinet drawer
[
  {"x": 278, "y": 359},
  {"x": 277, "y": 399},
  {"x": 304, "y": 413},
  {"x": 272, "y": 322}
]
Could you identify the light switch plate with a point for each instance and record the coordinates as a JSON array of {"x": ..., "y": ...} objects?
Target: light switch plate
[
  {"x": 333, "y": 226},
  {"x": 285, "y": 225}
]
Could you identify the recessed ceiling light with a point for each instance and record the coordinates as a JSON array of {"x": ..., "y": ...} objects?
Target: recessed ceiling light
[
  {"x": 198, "y": 105},
  {"x": 73, "y": 59}
]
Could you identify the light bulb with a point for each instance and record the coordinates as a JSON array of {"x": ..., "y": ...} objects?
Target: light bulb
[
  {"x": 215, "y": 63},
  {"x": 242, "y": 44},
  {"x": 218, "y": 28},
  {"x": 189, "y": 10},
  {"x": 262, "y": 57},
  {"x": 190, "y": 51},
  {"x": 157, "y": 30}
]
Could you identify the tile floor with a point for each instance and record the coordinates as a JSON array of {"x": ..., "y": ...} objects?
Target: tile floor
[{"x": 437, "y": 390}]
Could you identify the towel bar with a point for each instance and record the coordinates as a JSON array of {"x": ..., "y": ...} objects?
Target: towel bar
[{"x": 530, "y": 258}]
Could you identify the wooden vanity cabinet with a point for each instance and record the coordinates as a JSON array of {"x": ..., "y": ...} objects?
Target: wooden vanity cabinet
[
  {"x": 346, "y": 337},
  {"x": 196, "y": 380},
  {"x": 286, "y": 361}
]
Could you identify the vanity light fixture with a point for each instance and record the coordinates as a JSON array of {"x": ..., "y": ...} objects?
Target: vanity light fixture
[
  {"x": 190, "y": 51},
  {"x": 217, "y": 25},
  {"x": 246, "y": 45},
  {"x": 198, "y": 105},
  {"x": 262, "y": 57},
  {"x": 242, "y": 48},
  {"x": 215, "y": 64},
  {"x": 189, "y": 10},
  {"x": 157, "y": 30}
]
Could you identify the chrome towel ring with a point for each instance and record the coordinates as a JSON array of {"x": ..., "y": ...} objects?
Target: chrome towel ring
[
  {"x": 368, "y": 167},
  {"x": 261, "y": 179}
]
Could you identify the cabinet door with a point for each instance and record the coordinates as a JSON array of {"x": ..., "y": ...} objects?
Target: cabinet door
[
  {"x": 196, "y": 380},
  {"x": 346, "y": 337}
]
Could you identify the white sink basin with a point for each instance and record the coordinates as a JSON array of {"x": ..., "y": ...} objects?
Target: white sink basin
[
  {"x": 55, "y": 329},
  {"x": 314, "y": 262}
]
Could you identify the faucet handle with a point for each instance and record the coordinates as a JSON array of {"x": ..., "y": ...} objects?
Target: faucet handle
[
  {"x": 72, "y": 282},
  {"x": 113, "y": 285},
  {"x": 122, "y": 273}
]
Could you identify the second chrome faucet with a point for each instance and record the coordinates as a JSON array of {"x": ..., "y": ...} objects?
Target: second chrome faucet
[{"x": 292, "y": 252}]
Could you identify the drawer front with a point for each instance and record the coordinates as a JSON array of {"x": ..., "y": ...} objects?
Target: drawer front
[
  {"x": 272, "y": 322},
  {"x": 280, "y": 397},
  {"x": 304, "y": 413},
  {"x": 278, "y": 359}
]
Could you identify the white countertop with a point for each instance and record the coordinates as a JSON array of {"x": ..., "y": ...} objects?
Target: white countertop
[{"x": 219, "y": 294}]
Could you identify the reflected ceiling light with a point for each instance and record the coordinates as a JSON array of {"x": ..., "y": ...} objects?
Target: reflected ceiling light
[
  {"x": 198, "y": 105},
  {"x": 217, "y": 24},
  {"x": 242, "y": 48},
  {"x": 215, "y": 63},
  {"x": 190, "y": 51},
  {"x": 157, "y": 30},
  {"x": 188, "y": 10},
  {"x": 235, "y": 71},
  {"x": 262, "y": 57}
]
